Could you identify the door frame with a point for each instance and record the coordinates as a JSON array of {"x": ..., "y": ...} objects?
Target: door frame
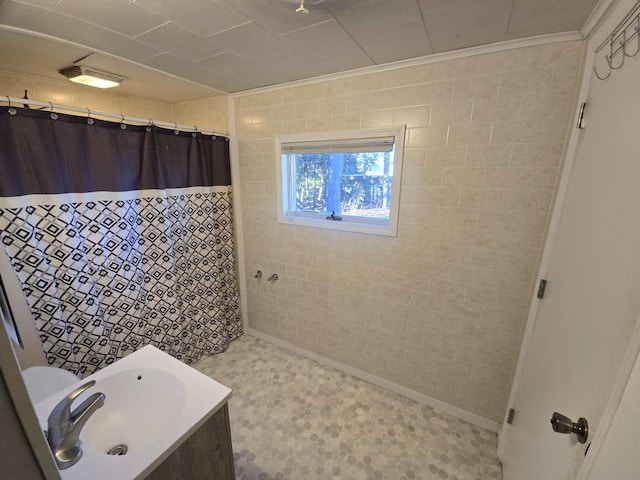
[
  {"x": 558, "y": 206},
  {"x": 597, "y": 31}
]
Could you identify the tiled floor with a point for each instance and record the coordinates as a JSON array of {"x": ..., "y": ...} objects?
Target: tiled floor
[{"x": 292, "y": 418}]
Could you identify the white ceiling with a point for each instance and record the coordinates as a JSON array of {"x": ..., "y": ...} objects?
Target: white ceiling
[{"x": 213, "y": 46}]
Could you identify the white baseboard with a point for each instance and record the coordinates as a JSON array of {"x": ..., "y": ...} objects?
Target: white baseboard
[{"x": 381, "y": 382}]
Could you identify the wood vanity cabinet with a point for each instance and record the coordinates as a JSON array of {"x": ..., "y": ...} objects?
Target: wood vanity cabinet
[{"x": 206, "y": 454}]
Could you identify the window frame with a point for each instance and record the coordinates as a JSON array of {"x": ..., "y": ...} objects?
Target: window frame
[{"x": 368, "y": 225}]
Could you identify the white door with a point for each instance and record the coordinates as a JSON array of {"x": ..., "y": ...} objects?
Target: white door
[{"x": 592, "y": 299}]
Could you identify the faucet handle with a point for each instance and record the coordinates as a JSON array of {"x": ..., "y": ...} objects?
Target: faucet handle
[{"x": 61, "y": 414}]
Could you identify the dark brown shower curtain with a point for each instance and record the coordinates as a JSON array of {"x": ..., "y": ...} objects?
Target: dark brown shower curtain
[{"x": 121, "y": 236}]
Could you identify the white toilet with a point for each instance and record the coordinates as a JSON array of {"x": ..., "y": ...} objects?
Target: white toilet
[{"x": 42, "y": 382}]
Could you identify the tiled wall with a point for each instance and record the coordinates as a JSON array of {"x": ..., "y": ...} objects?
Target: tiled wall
[
  {"x": 441, "y": 308},
  {"x": 212, "y": 112},
  {"x": 208, "y": 113},
  {"x": 67, "y": 93}
]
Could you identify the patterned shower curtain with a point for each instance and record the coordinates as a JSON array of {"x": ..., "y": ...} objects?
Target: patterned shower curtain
[{"x": 120, "y": 235}]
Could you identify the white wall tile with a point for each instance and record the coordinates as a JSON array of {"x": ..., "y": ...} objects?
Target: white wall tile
[{"x": 440, "y": 308}]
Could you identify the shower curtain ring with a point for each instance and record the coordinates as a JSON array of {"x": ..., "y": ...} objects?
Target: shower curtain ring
[
  {"x": 54, "y": 116},
  {"x": 176, "y": 131},
  {"x": 195, "y": 131},
  {"x": 123, "y": 125},
  {"x": 11, "y": 110},
  {"x": 89, "y": 119}
]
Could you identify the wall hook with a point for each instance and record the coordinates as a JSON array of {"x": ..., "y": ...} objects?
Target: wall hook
[
  {"x": 273, "y": 278},
  {"x": 617, "y": 41},
  {"x": 258, "y": 274},
  {"x": 601, "y": 77},
  {"x": 609, "y": 59},
  {"x": 637, "y": 35}
]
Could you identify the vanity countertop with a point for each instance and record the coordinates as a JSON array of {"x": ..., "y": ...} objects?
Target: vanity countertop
[{"x": 193, "y": 399}]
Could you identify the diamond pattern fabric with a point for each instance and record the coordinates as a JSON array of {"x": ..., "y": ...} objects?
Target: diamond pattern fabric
[{"x": 103, "y": 278}]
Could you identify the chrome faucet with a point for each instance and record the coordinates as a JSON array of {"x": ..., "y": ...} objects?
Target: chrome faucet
[{"x": 64, "y": 426}]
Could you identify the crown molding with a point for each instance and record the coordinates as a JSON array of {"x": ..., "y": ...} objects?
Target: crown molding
[{"x": 412, "y": 62}]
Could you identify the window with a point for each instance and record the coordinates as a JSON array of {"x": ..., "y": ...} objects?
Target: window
[{"x": 348, "y": 180}]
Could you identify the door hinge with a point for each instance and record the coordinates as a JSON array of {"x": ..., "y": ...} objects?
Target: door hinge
[
  {"x": 512, "y": 413},
  {"x": 580, "y": 122},
  {"x": 542, "y": 287}
]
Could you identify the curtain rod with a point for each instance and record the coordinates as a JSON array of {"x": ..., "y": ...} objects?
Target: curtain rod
[{"x": 123, "y": 118}]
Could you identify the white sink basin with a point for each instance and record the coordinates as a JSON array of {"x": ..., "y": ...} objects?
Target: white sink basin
[
  {"x": 142, "y": 405},
  {"x": 153, "y": 403}
]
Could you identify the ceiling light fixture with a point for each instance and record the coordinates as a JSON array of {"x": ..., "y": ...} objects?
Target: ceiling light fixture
[
  {"x": 91, "y": 77},
  {"x": 302, "y": 8}
]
